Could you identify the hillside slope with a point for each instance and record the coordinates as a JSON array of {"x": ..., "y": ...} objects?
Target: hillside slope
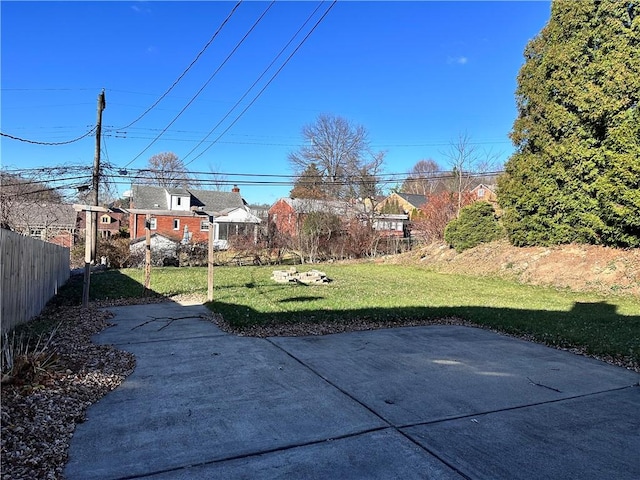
[{"x": 577, "y": 267}]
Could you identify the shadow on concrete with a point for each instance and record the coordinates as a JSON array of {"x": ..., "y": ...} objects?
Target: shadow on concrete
[
  {"x": 594, "y": 324},
  {"x": 597, "y": 324}
]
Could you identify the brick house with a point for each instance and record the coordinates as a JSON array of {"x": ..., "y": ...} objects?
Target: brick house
[
  {"x": 109, "y": 223},
  {"x": 183, "y": 214},
  {"x": 486, "y": 193},
  {"x": 287, "y": 214},
  {"x": 52, "y": 222}
]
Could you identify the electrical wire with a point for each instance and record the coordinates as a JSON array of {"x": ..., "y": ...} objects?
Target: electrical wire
[
  {"x": 58, "y": 169},
  {"x": 205, "y": 84},
  {"x": 264, "y": 72},
  {"x": 187, "y": 69},
  {"x": 9, "y": 194},
  {"x": 12, "y": 137},
  {"x": 267, "y": 84},
  {"x": 284, "y": 179},
  {"x": 297, "y": 145}
]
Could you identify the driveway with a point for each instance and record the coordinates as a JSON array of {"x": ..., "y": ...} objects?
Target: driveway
[{"x": 434, "y": 402}]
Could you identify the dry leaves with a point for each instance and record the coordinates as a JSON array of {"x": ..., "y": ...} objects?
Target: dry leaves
[
  {"x": 39, "y": 416},
  {"x": 39, "y": 413}
]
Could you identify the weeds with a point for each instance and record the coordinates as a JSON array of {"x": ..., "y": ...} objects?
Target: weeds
[{"x": 25, "y": 357}]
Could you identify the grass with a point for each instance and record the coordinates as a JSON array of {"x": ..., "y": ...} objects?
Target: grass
[{"x": 601, "y": 325}]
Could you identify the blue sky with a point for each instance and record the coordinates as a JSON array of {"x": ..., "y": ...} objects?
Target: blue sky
[{"x": 416, "y": 75}]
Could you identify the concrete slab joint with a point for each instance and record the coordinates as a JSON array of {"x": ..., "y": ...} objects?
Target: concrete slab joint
[{"x": 437, "y": 402}]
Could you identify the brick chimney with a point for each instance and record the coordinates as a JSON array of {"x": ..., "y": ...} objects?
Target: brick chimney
[{"x": 235, "y": 189}]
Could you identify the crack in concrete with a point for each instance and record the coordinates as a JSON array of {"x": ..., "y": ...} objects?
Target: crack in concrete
[{"x": 171, "y": 320}]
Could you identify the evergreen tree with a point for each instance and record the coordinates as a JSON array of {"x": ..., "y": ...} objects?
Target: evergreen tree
[
  {"x": 477, "y": 224},
  {"x": 342, "y": 153},
  {"x": 310, "y": 184},
  {"x": 391, "y": 207},
  {"x": 575, "y": 175}
]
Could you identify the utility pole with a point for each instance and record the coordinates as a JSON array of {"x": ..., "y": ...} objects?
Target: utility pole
[
  {"x": 91, "y": 222},
  {"x": 88, "y": 211},
  {"x": 95, "y": 183}
]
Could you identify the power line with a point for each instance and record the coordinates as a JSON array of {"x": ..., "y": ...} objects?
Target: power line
[
  {"x": 264, "y": 72},
  {"x": 57, "y": 169},
  {"x": 205, "y": 84},
  {"x": 297, "y": 145},
  {"x": 45, "y": 188},
  {"x": 47, "y": 89},
  {"x": 268, "y": 83},
  {"x": 286, "y": 179},
  {"x": 188, "y": 68},
  {"x": 203, "y": 179},
  {"x": 140, "y": 172},
  {"x": 12, "y": 137}
]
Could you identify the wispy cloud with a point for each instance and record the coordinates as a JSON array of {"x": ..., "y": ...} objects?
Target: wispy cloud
[
  {"x": 457, "y": 60},
  {"x": 140, "y": 8}
]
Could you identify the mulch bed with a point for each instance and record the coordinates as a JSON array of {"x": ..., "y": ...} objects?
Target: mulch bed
[{"x": 41, "y": 407}]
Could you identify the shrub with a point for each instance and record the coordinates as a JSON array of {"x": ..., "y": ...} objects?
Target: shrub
[
  {"x": 115, "y": 248},
  {"x": 193, "y": 254},
  {"x": 432, "y": 218},
  {"x": 116, "y": 251},
  {"x": 477, "y": 224}
]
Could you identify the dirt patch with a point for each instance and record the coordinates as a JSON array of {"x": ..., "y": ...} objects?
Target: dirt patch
[{"x": 575, "y": 267}]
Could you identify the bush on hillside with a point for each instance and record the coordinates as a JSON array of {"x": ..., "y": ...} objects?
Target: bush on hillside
[
  {"x": 115, "y": 249},
  {"x": 477, "y": 224}
]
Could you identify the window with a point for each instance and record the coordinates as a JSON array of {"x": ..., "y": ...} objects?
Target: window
[
  {"x": 223, "y": 231},
  {"x": 105, "y": 219},
  {"x": 480, "y": 192},
  {"x": 179, "y": 201},
  {"x": 176, "y": 224},
  {"x": 153, "y": 224},
  {"x": 204, "y": 225}
]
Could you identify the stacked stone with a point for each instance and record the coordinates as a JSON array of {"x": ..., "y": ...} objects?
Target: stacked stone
[{"x": 312, "y": 277}]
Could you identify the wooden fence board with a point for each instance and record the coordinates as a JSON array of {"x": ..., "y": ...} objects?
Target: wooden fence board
[{"x": 32, "y": 273}]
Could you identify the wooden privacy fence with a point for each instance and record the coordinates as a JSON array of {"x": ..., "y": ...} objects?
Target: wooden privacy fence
[{"x": 32, "y": 271}]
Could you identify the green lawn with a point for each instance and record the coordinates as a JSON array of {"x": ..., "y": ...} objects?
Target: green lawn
[{"x": 247, "y": 296}]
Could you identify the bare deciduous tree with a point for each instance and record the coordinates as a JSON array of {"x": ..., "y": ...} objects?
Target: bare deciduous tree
[
  {"x": 20, "y": 193},
  {"x": 424, "y": 178},
  {"x": 462, "y": 156},
  {"x": 168, "y": 171},
  {"x": 368, "y": 182},
  {"x": 340, "y": 151},
  {"x": 468, "y": 164},
  {"x": 219, "y": 181}
]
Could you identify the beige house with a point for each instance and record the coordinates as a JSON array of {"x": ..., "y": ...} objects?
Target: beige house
[{"x": 403, "y": 203}]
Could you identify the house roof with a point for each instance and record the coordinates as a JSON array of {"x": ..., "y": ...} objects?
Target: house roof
[
  {"x": 36, "y": 214},
  {"x": 413, "y": 198},
  {"x": 493, "y": 188},
  {"x": 309, "y": 205},
  {"x": 143, "y": 238},
  {"x": 147, "y": 197}
]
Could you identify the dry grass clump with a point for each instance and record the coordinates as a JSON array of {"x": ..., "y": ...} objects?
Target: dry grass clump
[{"x": 50, "y": 376}]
